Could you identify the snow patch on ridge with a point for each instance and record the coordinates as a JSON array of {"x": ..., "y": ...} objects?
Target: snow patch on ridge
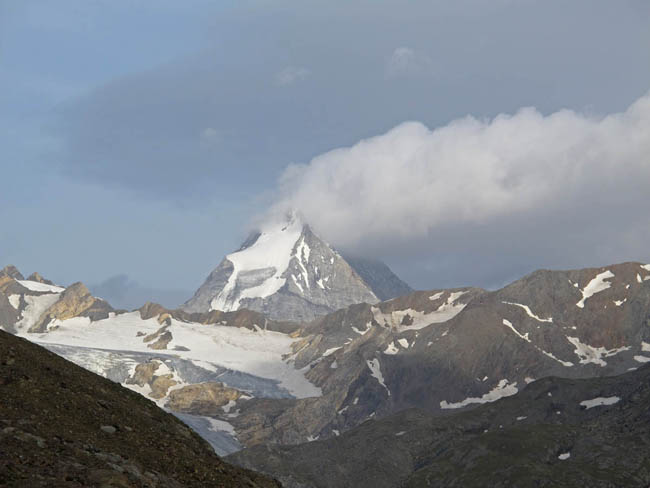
[
  {"x": 14, "y": 301},
  {"x": 596, "y": 285},
  {"x": 503, "y": 389},
  {"x": 529, "y": 312},
  {"x": 375, "y": 370},
  {"x": 568, "y": 364},
  {"x": 391, "y": 349},
  {"x": 508, "y": 324},
  {"x": 443, "y": 313},
  {"x": 589, "y": 354},
  {"x": 362, "y": 332},
  {"x": 599, "y": 402},
  {"x": 331, "y": 351}
]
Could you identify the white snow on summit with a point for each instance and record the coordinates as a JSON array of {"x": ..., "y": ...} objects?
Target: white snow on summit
[{"x": 268, "y": 258}]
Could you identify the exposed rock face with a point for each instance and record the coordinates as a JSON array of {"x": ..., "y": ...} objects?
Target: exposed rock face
[
  {"x": 144, "y": 375},
  {"x": 202, "y": 398},
  {"x": 8, "y": 284},
  {"x": 61, "y": 425},
  {"x": 239, "y": 318},
  {"x": 382, "y": 281},
  {"x": 287, "y": 273},
  {"x": 159, "y": 339},
  {"x": 75, "y": 301},
  {"x": 8, "y": 313},
  {"x": 12, "y": 272},
  {"x": 161, "y": 384},
  {"x": 556, "y": 432},
  {"x": 39, "y": 279},
  {"x": 149, "y": 310}
]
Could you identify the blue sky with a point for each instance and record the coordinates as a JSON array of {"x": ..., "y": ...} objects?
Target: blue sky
[{"x": 140, "y": 139}]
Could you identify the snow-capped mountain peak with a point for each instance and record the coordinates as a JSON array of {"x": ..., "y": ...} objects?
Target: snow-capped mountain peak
[
  {"x": 286, "y": 272},
  {"x": 258, "y": 268}
]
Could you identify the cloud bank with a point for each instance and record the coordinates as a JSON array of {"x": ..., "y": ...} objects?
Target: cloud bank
[{"x": 564, "y": 172}]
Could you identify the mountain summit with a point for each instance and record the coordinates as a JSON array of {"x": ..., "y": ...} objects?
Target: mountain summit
[{"x": 288, "y": 273}]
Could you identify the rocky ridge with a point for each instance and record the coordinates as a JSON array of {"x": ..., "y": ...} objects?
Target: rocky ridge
[{"x": 445, "y": 350}]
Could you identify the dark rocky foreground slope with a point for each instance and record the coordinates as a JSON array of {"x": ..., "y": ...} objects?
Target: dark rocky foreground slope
[
  {"x": 61, "y": 425},
  {"x": 556, "y": 432}
]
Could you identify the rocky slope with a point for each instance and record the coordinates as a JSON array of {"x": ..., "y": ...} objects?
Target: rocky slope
[
  {"x": 61, "y": 425},
  {"x": 556, "y": 432},
  {"x": 380, "y": 278},
  {"x": 264, "y": 381},
  {"x": 287, "y": 273},
  {"x": 189, "y": 363},
  {"x": 446, "y": 350}
]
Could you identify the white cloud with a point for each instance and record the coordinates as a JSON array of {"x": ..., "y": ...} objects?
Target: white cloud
[
  {"x": 405, "y": 61},
  {"x": 290, "y": 75},
  {"x": 408, "y": 183}
]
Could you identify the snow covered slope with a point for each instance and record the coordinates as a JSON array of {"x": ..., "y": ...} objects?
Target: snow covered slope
[
  {"x": 174, "y": 358},
  {"x": 286, "y": 272}
]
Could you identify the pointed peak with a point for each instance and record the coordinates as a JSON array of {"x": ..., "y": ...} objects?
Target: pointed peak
[
  {"x": 12, "y": 272},
  {"x": 38, "y": 278},
  {"x": 77, "y": 289}
]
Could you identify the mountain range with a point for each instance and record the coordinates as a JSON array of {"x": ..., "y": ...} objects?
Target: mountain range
[
  {"x": 556, "y": 432},
  {"x": 305, "y": 354}
]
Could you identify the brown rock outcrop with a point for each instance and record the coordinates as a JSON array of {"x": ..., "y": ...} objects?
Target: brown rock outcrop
[
  {"x": 75, "y": 301},
  {"x": 12, "y": 272},
  {"x": 162, "y": 337},
  {"x": 160, "y": 385},
  {"x": 37, "y": 277},
  {"x": 202, "y": 398}
]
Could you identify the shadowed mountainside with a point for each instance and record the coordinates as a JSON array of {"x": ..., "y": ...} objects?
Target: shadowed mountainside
[
  {"x": 556, "y": 432},
  {"x": 61, "y": 425}
]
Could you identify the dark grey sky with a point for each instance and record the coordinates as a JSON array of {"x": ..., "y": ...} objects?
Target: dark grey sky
[{"x": 141, "y": 139}]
